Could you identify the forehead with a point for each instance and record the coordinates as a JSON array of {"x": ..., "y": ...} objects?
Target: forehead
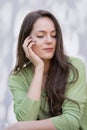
[{"x": 44, "y": 23}]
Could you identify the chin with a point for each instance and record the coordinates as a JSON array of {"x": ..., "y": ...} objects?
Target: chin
[{"x": 48, "y": 57}]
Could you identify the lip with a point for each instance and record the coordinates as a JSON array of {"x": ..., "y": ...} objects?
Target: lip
[{"x": 48, "y": 49}]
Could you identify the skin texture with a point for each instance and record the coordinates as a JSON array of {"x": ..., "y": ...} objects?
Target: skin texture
[
  {"x": 39, "y": 48},
  {"x": 44, "y": 34},
  {"x": 42, "y": 41}
]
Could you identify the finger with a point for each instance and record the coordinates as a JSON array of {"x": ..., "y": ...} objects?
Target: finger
[
  {"x": 27, "y": 41},
  {"x": 30, "y": 48},
  {"x": 26, "y": 51},
  {"x": 31, "y": 44}
]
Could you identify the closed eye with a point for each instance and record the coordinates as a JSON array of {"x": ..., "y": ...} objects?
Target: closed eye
[
  {"x": 54, "y": 36},
  {"x": 40, "y": 36}
]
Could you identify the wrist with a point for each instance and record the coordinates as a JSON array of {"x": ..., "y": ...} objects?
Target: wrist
[{"x": 39, "y": 68}]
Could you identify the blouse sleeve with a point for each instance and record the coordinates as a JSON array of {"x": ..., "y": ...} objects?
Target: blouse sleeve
[
  {"x": 24, "y": 107},
  {"x": 72, "y": 113}
]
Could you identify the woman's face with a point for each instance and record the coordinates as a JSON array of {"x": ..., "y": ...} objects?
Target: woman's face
[{"x": 44, "y": 33}]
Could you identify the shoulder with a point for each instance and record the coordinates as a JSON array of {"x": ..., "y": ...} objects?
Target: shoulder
[
  {"x": 79, "y": 70},
  {"x": 72, "y": 89},
  {"x": 77, "y": 62},
  {"x": 22, "y": 75}
]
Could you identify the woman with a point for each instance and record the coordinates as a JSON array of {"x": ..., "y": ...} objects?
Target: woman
[{"x": 48, "y": 87}]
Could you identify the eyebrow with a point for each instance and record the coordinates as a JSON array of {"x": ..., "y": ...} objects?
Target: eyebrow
[{"x": 45, "y": 31}]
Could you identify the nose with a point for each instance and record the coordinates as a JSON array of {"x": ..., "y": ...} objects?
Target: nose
[{"x": 49, "y": 39}]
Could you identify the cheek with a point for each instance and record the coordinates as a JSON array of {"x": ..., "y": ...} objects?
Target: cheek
[
  {"x": 36, "y": 48},
  {"x": 54, "y": 45}
]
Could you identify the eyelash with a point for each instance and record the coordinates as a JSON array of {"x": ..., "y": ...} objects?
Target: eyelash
[
  {"x": 54, "y": 36},
  {"x": 39, "y": 36},
  {"x": 43, "y": 36}
]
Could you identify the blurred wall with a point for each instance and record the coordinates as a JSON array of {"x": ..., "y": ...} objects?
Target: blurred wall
[{"x": 72, "y": 16}]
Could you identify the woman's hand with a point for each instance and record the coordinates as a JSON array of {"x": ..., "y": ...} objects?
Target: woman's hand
[
  {"x": 27, "y": 46},
  {"x": 13, "y": 127},
  {"x": 38, "y": 70},
  {"x": 32, "y": 125}
]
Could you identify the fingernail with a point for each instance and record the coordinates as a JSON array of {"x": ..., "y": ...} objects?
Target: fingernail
[{"x": 30, "y": 37}]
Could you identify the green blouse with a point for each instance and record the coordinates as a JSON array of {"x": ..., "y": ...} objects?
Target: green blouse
[{"x": 25, "y": 108}]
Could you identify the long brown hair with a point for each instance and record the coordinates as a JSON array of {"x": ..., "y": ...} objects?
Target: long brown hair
[{"x": 60, "y": 66}]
